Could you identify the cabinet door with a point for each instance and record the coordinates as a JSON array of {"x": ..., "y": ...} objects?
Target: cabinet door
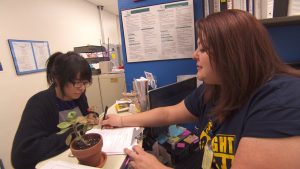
[
  {"x": 94, "y": 96},
  {"x": 111, "y": 87}
]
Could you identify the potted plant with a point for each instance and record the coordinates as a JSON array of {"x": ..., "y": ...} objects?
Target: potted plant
[{"x": 85, "y": 147}]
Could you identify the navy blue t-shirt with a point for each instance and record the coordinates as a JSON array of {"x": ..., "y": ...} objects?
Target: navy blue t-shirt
[
  {"x": 272, "y": 112},
  {"x": 64, "y": 107}
]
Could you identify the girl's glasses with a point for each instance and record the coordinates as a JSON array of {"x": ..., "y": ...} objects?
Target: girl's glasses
[{"x": 79, "y": 84}]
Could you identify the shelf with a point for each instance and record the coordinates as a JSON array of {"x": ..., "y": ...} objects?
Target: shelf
[
  {"x": 89, "y": 49},
  {"x": 280, "y": 21}
]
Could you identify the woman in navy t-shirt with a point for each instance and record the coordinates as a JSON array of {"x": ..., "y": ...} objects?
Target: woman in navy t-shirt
[{"x": 248, "y": 108}]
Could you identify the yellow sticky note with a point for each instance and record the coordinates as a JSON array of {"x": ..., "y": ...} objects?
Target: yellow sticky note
[
  {"x": 173, "y": 140},
  {"x": 189, "y": 139}
]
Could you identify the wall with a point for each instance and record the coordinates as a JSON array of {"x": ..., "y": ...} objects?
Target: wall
[
  {"x": 64, "y": 24},
  {"x": 111, "y": 27},
  {"x": 166, "y": 70},
  {"x": 286, "y": 40}
]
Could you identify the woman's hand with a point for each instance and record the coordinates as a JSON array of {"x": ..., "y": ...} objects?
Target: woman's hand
[
  {"x": 112, "y": 121},
  {"x": 139, "y": 159}
]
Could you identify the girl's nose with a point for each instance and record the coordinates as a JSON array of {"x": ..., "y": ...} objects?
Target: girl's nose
[{"x": 82, "y": 88}]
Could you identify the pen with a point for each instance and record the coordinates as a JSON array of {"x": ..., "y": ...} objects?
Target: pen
[
  {"x": 105, "y": 112},
  {"x": 125, "y": 163}
]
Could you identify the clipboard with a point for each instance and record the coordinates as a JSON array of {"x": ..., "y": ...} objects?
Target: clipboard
[
  {"x": 115, "y": 140},
  {"x": 137, "y": 135}
]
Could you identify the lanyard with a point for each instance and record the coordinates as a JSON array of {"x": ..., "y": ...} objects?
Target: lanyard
[
  {"x": 208, "y": 153},
  {"x": 213, "y": 129}
]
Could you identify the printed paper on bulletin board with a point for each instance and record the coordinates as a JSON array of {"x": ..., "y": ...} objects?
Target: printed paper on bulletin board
[{"x": 159, "y": 32}]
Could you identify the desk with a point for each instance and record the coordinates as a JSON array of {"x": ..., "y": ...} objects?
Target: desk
[{"x": 113, "y": 161}]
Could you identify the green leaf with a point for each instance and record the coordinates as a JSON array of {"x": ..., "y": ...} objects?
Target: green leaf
[
  {"x": 69, "y": 139},
  {"x": 64, "y": 125},
  {"x": 89, "y": 127},
  {"x": 63, "y": 131},
  {"x": 77, "y": 138},
  {"x": 73, "y": 121},
  {"x": 79, "y": 125},
  {"x": 72, "y": 114}
]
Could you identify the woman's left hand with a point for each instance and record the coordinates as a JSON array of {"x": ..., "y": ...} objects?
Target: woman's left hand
[{"x": 139, "y": 159}]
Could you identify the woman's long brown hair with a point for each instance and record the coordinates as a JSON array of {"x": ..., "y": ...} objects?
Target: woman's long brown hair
[{"x": 241, "y": 52}]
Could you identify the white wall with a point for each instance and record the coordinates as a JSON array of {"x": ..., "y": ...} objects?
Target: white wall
[
  {"x": 111, "y": 27},
  {"x": 64, "y": 24}
]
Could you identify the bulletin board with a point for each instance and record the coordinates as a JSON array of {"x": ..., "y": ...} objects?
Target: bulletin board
[
  {"x": 29, "y": 56},
  {"x": 159, "y": 32}
]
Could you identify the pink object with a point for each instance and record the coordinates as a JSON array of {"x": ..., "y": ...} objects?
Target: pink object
[
  {"x": 180, "y": 145},
  {"x": 186, "y": 133},
  {"x": 196, "y": 140}
]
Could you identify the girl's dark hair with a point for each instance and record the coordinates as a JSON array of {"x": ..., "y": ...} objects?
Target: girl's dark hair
[
  {"x": 241, "y": 52},
  {"x": 64, "y": 68}
]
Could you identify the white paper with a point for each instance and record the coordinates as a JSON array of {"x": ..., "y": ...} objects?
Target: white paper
[
  {"x": 24, "y": 56},
  {"x": 159, "y": 32},
  {"x": 115, "y": 140},
  {"x": 41, "y": 52},
  {"x": 64, "y": 165}
]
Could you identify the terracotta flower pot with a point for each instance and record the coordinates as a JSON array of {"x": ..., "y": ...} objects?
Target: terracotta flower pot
[{"x": 92, "y": 156}]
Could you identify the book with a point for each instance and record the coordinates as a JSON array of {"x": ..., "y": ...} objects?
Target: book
[
  {"x": 216, "y": 6},
  {"x": 294, "y": 7},
  {"x": 206, "y": 8},
  {"x": 250, "y": 6},
  {"x": 239, "y": 4},
  {"x": 223, "y": 5},
  {"x": 257, "y": 9},
  {"x": 267, "y": 7},
  {"x": 280, "y": 8}
]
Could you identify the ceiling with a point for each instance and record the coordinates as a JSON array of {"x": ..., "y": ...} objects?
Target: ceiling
[{"x": 109, "y": 5}]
